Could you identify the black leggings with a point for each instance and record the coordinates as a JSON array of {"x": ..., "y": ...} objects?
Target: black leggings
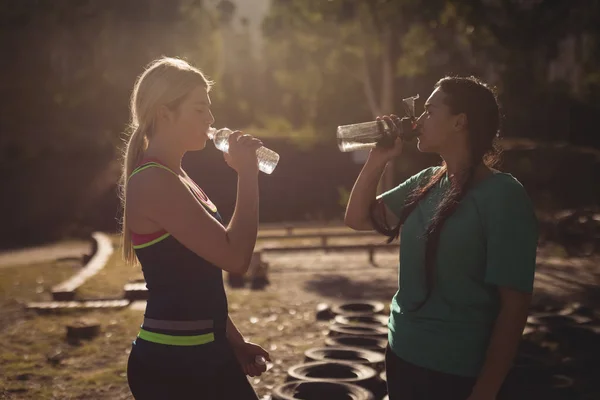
[
  {"x": 225, "y": 383},
  {"x": 406, "y": 381}
]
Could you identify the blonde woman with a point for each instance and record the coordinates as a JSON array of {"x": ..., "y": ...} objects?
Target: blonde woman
[{"x": 187, "y": 346}]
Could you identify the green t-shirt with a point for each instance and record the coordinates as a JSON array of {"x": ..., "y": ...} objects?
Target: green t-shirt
[{"x": 490, "y": 240}]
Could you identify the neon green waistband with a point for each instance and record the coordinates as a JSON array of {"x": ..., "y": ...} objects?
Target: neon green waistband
[{"x": 176, "y": 340}]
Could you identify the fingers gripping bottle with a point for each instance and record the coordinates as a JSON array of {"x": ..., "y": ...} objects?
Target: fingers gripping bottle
[
  {"x": 267, "y": 159},
  {"x": 367, "y": 135}
]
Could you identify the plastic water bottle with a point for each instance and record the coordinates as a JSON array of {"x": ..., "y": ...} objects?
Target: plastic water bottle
[
  {"x": 267, "y": 159},
  {"x": 366, "y": 135}
]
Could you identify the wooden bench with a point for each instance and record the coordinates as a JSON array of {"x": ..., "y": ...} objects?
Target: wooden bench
[
  {"x": 77, "y": 305},
  {"x": 101, "y": 252},
  {"x": 323, "y": 236},
  {"x": 370, "y": 248}
]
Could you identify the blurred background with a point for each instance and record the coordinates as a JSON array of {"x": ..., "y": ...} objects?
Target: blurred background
[{"x": 289, "y": 72}]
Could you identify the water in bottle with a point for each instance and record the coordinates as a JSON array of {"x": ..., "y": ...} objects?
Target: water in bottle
[
  {"x": 367, "y": 135},
  {"x": 363, "y": 136},
  {"x": 267, "y": 159}
]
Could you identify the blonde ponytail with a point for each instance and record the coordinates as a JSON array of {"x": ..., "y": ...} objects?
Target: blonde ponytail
[
  {"x": 136, "y": 146},
  {"x": 164, "y": 82}
]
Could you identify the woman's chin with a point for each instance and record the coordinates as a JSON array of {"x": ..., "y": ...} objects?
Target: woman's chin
[
  {"x": 425, "y": 147},
  {"x": 198, "y": 146}
]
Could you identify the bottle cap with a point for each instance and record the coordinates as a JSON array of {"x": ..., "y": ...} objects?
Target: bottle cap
[
  {"x": 408, "y": 105},
  {"x": 211, "y": 133}
]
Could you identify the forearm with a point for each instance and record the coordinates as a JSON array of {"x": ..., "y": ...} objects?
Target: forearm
[
  {"x": 363, "y": 193},
  {"x": 504, "y": 342},
  {"x": 234, "y": 336},
  {"x": 243, "y": 227}
]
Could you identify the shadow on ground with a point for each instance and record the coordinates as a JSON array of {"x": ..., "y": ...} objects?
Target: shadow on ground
[{"x": 340, "y": 286}]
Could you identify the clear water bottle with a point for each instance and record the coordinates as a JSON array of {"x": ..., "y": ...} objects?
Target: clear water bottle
[
  {"x": 267, "y": 159},
  {"x": 366, "y": 135}
]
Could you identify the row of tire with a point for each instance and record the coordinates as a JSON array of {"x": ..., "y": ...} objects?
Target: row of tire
[{"x": 351, "y": 365}]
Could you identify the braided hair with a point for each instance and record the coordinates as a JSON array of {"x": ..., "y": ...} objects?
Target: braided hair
[{"x": 478, "y": 102}]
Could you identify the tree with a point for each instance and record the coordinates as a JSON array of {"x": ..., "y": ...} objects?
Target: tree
[
  {"x": 365, "y": 52},
  {"x": 71, "y": 66}
]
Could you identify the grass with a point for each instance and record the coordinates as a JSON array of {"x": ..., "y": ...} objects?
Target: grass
[
  {"x": 33, "y": 282},
  {"x": 27, "y": 283},
  {"x": 37, "y": 362},
  {"x": 281, "y": 322},
  {"x": 110, "y": 280}
]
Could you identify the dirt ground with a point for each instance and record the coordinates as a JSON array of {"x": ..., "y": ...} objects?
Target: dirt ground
[{"x": 37, "y": 363}]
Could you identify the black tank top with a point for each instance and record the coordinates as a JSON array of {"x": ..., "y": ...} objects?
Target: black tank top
[{"x": 182, "y": 286}]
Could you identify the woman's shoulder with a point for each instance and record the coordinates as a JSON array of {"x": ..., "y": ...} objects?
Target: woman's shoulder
[
  {"x": 151, "y": 185},
  {"x": 420, "y": 177},
  {"x": 502, "y": 190},
  {"x": 500, "y": 181},
  {"x": 427, "y": 172}
]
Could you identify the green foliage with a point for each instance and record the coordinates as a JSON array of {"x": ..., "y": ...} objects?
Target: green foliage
[
  {"x": 416, "y": 47},
  {"x": 69, "y": 67}
]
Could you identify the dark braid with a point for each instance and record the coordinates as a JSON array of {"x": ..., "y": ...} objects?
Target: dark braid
[
  {"x": 478, "y": 102},
  {"x": 409, "y": 205}
]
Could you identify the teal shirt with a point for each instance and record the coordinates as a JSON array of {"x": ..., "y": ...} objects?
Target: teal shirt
[{"x": 489, "y": 241}]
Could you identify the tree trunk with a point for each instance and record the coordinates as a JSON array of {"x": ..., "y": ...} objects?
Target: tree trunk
[
  {"x": 387, "y": 73},
  {"x": 368, "y": 87},
  {"x": 387, "y": 96}
]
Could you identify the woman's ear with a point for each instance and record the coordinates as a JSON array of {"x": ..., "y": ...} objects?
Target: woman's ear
[
  {"x": 163, "y": 114},
  {"x": 461, "y": 123}
]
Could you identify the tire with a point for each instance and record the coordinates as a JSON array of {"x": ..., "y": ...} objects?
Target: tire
[
  {"x": 344, "y": 372},
  {"x": 368, "y": 319},
  {"x": 358, "y": 330},
  {"x": 318, "y": 390},
  {"x": 358, "y": 307},
  {"x": 323, "y": 312},
  {"x": 346, "y": 354},
  {"x": 553, "y": 320},
  {"x": 363, "y": 342}
]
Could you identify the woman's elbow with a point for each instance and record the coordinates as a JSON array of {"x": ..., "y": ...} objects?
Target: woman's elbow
[
  {"x": 357, "y": 224},
  {"x": 240, "y": 266},
  {"x": 349, "y": 221}
]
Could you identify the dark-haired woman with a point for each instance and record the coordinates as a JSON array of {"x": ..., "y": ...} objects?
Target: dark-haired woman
[{"x": 467, "y": 251}]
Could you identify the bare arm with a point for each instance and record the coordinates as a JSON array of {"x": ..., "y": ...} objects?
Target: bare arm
[
  {"x": 243, "y": 227},
  {"x": 363, "y": 194},
  {"x": 234, "y": 336},
  {"x": 163, "y": 198},
  {"x": 504, "y": 342},
  {"x": 364, "y": 191}
]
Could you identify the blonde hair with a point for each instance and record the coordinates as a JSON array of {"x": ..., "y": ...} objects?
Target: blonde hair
[{"x": 165, "y": 81}]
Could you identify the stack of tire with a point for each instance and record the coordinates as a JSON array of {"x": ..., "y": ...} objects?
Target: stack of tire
[
  {"x": 350, "y": 365},
  {"x": 560, "y": 347}
]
